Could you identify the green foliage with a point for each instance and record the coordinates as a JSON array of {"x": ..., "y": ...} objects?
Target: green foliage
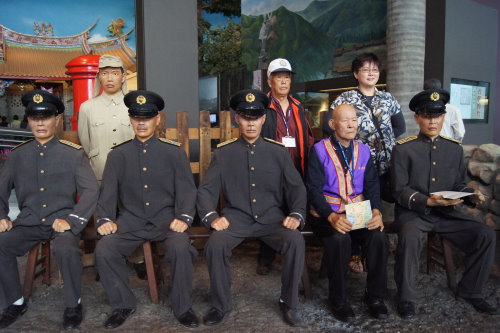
[
  {"x": 226, "y": 7},
  {"x": 352, "y": 22},
  {"x": 220, "y": 50}
]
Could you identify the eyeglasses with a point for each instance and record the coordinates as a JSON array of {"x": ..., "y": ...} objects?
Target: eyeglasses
[
  {"x": 114, "y": 74},
  {"x": 366, "y": 70}
]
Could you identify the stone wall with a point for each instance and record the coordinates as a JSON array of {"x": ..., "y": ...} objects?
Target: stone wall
[{"x": 483, "y": 172}]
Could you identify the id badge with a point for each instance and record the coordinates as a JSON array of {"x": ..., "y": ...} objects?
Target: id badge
[{"x": 289, "y": 141}]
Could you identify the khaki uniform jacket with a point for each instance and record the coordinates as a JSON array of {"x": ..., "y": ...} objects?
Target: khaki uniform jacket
[{"x": 103, "y": 123}]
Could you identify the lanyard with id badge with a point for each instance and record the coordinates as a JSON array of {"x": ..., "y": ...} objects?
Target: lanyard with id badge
[
  {"x": 358, "y": 213},
  {"x": 288, "y": 140}
]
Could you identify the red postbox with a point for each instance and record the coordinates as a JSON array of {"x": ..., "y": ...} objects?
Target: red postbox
[{"x": 83, "y": 70}]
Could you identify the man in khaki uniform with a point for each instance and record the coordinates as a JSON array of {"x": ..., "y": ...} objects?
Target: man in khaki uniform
[{"x": 103, "y": 121}]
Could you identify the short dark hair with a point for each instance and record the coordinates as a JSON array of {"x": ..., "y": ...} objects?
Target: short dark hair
[
  {"x": 432, "y": 84},
  {"x": 358, "y": 62},
  {"x": 16, "y": 117}
]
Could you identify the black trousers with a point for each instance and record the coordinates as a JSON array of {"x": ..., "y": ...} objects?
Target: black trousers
[
  {"x": 374, "y": 246},
  {"x": 290, "y": 243},
  {"x": 111, "y": 253},
  {"x": 19, "y": 240},
  {"x": 477, "y": 240}
]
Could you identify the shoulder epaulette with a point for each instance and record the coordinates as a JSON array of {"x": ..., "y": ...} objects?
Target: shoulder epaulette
[
  {"x": 121, "y": 143},
  {"x": 450, "y": 139},
  {"x": 22, "y": 143},
  {"x": 222, "y": 144},
  {"x": 71, "y": 144},
  {"x": 274, "y": 141},
  {"x": 407, "y": 139},
  {"x": 175, "y": 143}
]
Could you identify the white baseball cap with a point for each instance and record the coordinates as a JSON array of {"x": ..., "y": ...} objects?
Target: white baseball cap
[{"x": 279, "y": 65}]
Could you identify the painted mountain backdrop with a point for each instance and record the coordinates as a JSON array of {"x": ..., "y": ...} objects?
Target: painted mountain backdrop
[{"x": 320, "y": 41}]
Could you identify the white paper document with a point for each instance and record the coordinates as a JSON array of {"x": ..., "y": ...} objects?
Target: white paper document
[
  {"x": 453, "y": 194},
  {"x": 359, "y": 214}
]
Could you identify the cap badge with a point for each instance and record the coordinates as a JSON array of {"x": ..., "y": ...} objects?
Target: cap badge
[
  {"x": 250, "y": 97},
  {"x": 435, "y": 96},
  {"x": 140, "y": 99},
  {"x": 283, "y": 62},
  {"x": 37, "y": 98}
]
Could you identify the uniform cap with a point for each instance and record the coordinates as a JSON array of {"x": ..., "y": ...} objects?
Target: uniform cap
[
  {"x": 41, "y": 103},
  {"x": 279, "y": 65},
  {"x": 143, "y": 103},
  {"x": 431, "y": 101},
  {"x": 107, "y": 60},
  {"x": 249, "y": 103}
]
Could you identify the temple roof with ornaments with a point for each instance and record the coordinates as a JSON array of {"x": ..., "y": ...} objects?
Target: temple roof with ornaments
[{"x": 24, "y": 56}]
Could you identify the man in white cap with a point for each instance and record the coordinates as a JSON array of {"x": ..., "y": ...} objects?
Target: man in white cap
[{"x": 286, "y": 122}]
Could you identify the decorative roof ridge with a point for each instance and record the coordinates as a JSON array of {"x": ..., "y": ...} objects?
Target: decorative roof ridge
[
  {"x": 37, "y": 36},
  {"x": 113, "y": 39}
]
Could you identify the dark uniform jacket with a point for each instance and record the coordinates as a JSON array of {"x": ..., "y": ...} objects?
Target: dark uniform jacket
[
  {"x": 421, "y": 166},
  {"x": 259, "y": 182},
  {"x": 151, "y": 182},
  {"x": 47, "y": 179}
]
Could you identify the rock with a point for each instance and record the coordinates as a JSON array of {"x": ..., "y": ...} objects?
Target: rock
[
  {"x": 469, "y": 150},
  {"x": 496, "y": 186},
  {"x": 485, "y": 189},
  {"x": 475, "y": 168},
  {"x": 486, "y": 176},
  {"x": 487, "y": 152},
  {"x": 492, "y": 220},
  {"x": 494, "y": 207}
]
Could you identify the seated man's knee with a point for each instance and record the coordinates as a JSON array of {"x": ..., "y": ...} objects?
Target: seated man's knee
[
  {"x": 294, "y": 238},
  {"x": 216, "y": 244}
]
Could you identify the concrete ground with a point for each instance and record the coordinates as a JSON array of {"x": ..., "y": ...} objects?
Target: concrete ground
[{"x": 255, "y": 302}]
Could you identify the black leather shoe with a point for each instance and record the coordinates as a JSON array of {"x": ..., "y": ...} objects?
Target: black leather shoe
[
  {"x": 188, "y": 319},
  {"x": 213, "y": 317},
  {"x": 118, "y": 317},
  {"x": 406, "y": 309},
  {"x": 481, "y": 305},
  {"x": 343, "y": 312},
  {"x": 291, "y": 316},
  {"x": 72, "y": 317},
  {"x": 140, "y": 270},
  {"x": 376, "y": 307},
  {"x": 11, "y": 314}
]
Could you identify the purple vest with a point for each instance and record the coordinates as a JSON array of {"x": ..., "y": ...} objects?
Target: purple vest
[{"x": 339, "y": 189}]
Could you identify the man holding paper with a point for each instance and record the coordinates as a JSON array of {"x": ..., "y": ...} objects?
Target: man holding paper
[
  {"x": 421, "y": 166},
  {"x": 342, "y": 179}
]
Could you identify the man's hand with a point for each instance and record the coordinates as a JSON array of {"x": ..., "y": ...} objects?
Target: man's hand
[
  {"x": 477, "y": 199},
  {"x": 5, "y": 225},
  {"x": 107, "y": 228},
  {"x": 438, "y": 200},
  {"x": 291, "y": 222},
  {"x": 220, "y": 223},
  {"x": 178, "y": 225},
  {"x": 60, "y": 225},
  {"x": 339, "y": 222},
  {"x": 376, "y": 221}
]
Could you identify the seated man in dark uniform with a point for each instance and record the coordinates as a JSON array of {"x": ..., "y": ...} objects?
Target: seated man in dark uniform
[
  {"x": 341, "y": 172},
  {"x": 259, "y": 180},
  {"x": 422, "y": 165},
  {"x": 47, "y": 175},
  {"x": 150, "y": 180}
]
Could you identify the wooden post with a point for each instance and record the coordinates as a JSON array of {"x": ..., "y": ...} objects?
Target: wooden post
[
  {"x": 225, "y": 125},
  {"x": 205, "y": 143},
  {"x": 182, "y": 123}
]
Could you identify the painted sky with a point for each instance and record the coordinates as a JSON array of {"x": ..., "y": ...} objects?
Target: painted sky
[
  {"x": 259, "y": 7},
  {"x": 69, "y": 17}
]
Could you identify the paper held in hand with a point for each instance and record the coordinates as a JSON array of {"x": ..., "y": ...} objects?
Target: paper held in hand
[
  {"x": 453, "y": 194},
  {"x": 359, "y": 214}
]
